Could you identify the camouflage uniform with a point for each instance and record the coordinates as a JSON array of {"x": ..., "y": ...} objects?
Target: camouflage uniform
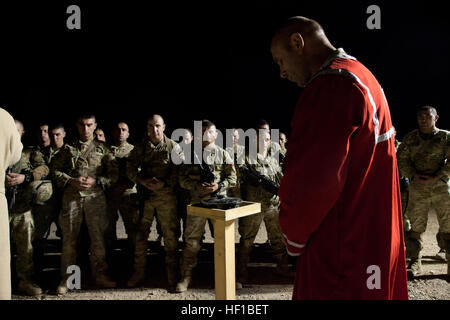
[
  {"x": 404, "y": 189},
  {"x": 147, "y": 160},
  {"x": 225, "y": 172},
  {"x": 121, "y": 195},
  {"x": 238, "y": 154},
  {"x": 46, "y": 213},
  {"x": 20, "y": 217},
  {"x": 428, "y": 154},
  {"x": 249, "y": 225},
  {"x": 88, "y": 205}
]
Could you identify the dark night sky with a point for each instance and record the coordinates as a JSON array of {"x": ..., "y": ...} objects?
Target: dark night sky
[{"x": 195, "y": 61}]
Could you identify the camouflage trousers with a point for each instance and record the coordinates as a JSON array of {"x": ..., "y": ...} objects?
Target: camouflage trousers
[
  {"x": 44, "y": 215},
  {"x": 249, "y": 227},
  {"x": 126, "y": 206},
  {"x": 22, "y": 230},
  {"x": 75, "y": 209},
  {"x": 165, "y": 207},
  {"x": 194, "y": 230},
  {"x": 421, "y": 199},
  {"x": 183, "y": 199}
]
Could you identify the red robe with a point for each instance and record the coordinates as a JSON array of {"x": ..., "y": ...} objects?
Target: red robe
[{"x": 340, "y": 196}]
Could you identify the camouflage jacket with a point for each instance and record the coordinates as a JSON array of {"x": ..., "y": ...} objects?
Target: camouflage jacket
[
  {"x": 221, "y": 164},
  {"x": 147, "y": 160},
  {"x": 99, "y": 164},
  {"x": 121, "y": 153},
  {"x": 49, "y": 152},
  {"x": 428, "y": 154},
  {"x": 32, "y": 162},
  {"x": 268, "y": 167}
]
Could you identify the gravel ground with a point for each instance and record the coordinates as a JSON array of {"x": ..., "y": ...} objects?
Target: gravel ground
[{"x": 430, "y": 286}]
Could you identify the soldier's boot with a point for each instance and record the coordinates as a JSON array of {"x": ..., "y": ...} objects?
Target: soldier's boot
[
  {"x": 29, "y": 288},
  {"x": 102, "y": 280},
  {"x": 62, "y": 287},
  {"x": 140, "y": 262},
  {"x": 242, "y": 266},
  {"x": 136, "y": 279},
  {"x": 172, "y": 270},
  {"x": 414, "y": 268},
  {"x": 282, "y": 268},
  {"x": 186, "y": 279},
  {"x": 442, "y": 244}
]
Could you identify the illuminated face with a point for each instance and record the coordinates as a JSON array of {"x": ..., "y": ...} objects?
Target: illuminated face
[
  {"x": 121, "y": 133},
  {"x": 58, "y": 137},
  {"x": 155, "y": 129},
  {"x": 283, "y": 140},
  {"x": 43, "y": 135},
  {"x": 263, "y": 140},
  {"x": 291, "y": 62},
  {"x": 209, "y": 134},
  {"x": 20, "y": 129},
  {"x": 426, "y": 120},
  {"x": 100, "y": 135},
  {"x": 187, "y": 137},
  {"x": 235, "y": 137},
  {"x": 86, "y": 128}
]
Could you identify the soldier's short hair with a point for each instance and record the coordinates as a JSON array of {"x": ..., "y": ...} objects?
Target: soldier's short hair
[
  {"x": 261, "y": 123},
  {"x": 207, "y": 124},
  {"x": 426, "y": 108},
  {"x": 58, "y": 126},
  {"x": 86, "y": 115},
  {"x": 188, "y": 130}
]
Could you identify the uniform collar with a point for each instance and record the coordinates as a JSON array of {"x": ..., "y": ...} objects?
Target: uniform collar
[
  {"x": 336, "y": 54},
  {"x": 427, "y": 136}
]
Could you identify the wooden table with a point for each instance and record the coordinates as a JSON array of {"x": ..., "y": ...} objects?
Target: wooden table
[{"x": 224, "y": 259}]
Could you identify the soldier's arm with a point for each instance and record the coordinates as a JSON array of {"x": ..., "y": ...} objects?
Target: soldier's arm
[
  {"x": 172, "y": 180},
  {"x": 110, "y": 170},
  {"x": 444, "y": 172},
  {"x": 229, "y": 177},
  {"x": 60, "y": 166},
  {"x": 405, "y": 164},
  {"x": 40, "y": 169},
  {"x": 133, "y": 164},
  {"x": 185, "y": 177}
]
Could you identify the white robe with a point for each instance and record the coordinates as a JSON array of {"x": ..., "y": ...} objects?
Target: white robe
[{"x": 10, "y": 152}]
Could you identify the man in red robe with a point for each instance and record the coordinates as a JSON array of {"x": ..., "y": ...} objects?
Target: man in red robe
[{"x": 340, "y": 196}]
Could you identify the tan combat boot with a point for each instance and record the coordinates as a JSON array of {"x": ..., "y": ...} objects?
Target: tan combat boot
[
  {"x": 29, "y": 288},
  {"x": 102, "y": 280},
  {"x": 415, "y": 267},
  {"x": 172, "y": 270},
  {"x": 183, "y": 285},
  {"x": 62, "y": 288},
  {"x": 282, "y": 268},
  {"x": 136, "y": 279}
]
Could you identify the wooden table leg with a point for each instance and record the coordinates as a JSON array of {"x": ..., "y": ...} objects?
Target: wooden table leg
[{"x": 224, "y": 260}]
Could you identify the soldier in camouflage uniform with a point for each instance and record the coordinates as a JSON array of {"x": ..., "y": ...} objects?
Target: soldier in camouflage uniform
[
  {"x": 121, "y": 195},
  {"x": 152, "y": 166},
  {"x": 46, "y": 213},
  {"x": 84, "y": 171},
  {"x": 274, "y": 149},
  {"x": 253, "y": 191},
  {"x": 19, "y": 179},
  {"x": 424, "y": 157},
  {"x": 183, "y": 195},
  {"x": 283, "y": 141},
  {"x": 189, "y": 178},
  {"x": 237, "y": 153}
]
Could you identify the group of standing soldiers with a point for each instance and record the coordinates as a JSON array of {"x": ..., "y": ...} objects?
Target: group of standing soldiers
[{"x": 92, "y": 182}]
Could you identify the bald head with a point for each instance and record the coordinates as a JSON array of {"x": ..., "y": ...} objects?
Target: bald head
[
  {"x": 300, "y": 47},
  {"x": 20, "y": 127},
  {"x": 155, "y": 128}
]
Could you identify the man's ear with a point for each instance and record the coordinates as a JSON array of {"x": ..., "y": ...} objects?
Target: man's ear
[
  {"x": 436, "y": 117},
  {"x": 296, "y": 42}
]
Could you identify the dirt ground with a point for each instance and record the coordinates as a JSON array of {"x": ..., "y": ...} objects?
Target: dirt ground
[{"x": 263, "y": 284}]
